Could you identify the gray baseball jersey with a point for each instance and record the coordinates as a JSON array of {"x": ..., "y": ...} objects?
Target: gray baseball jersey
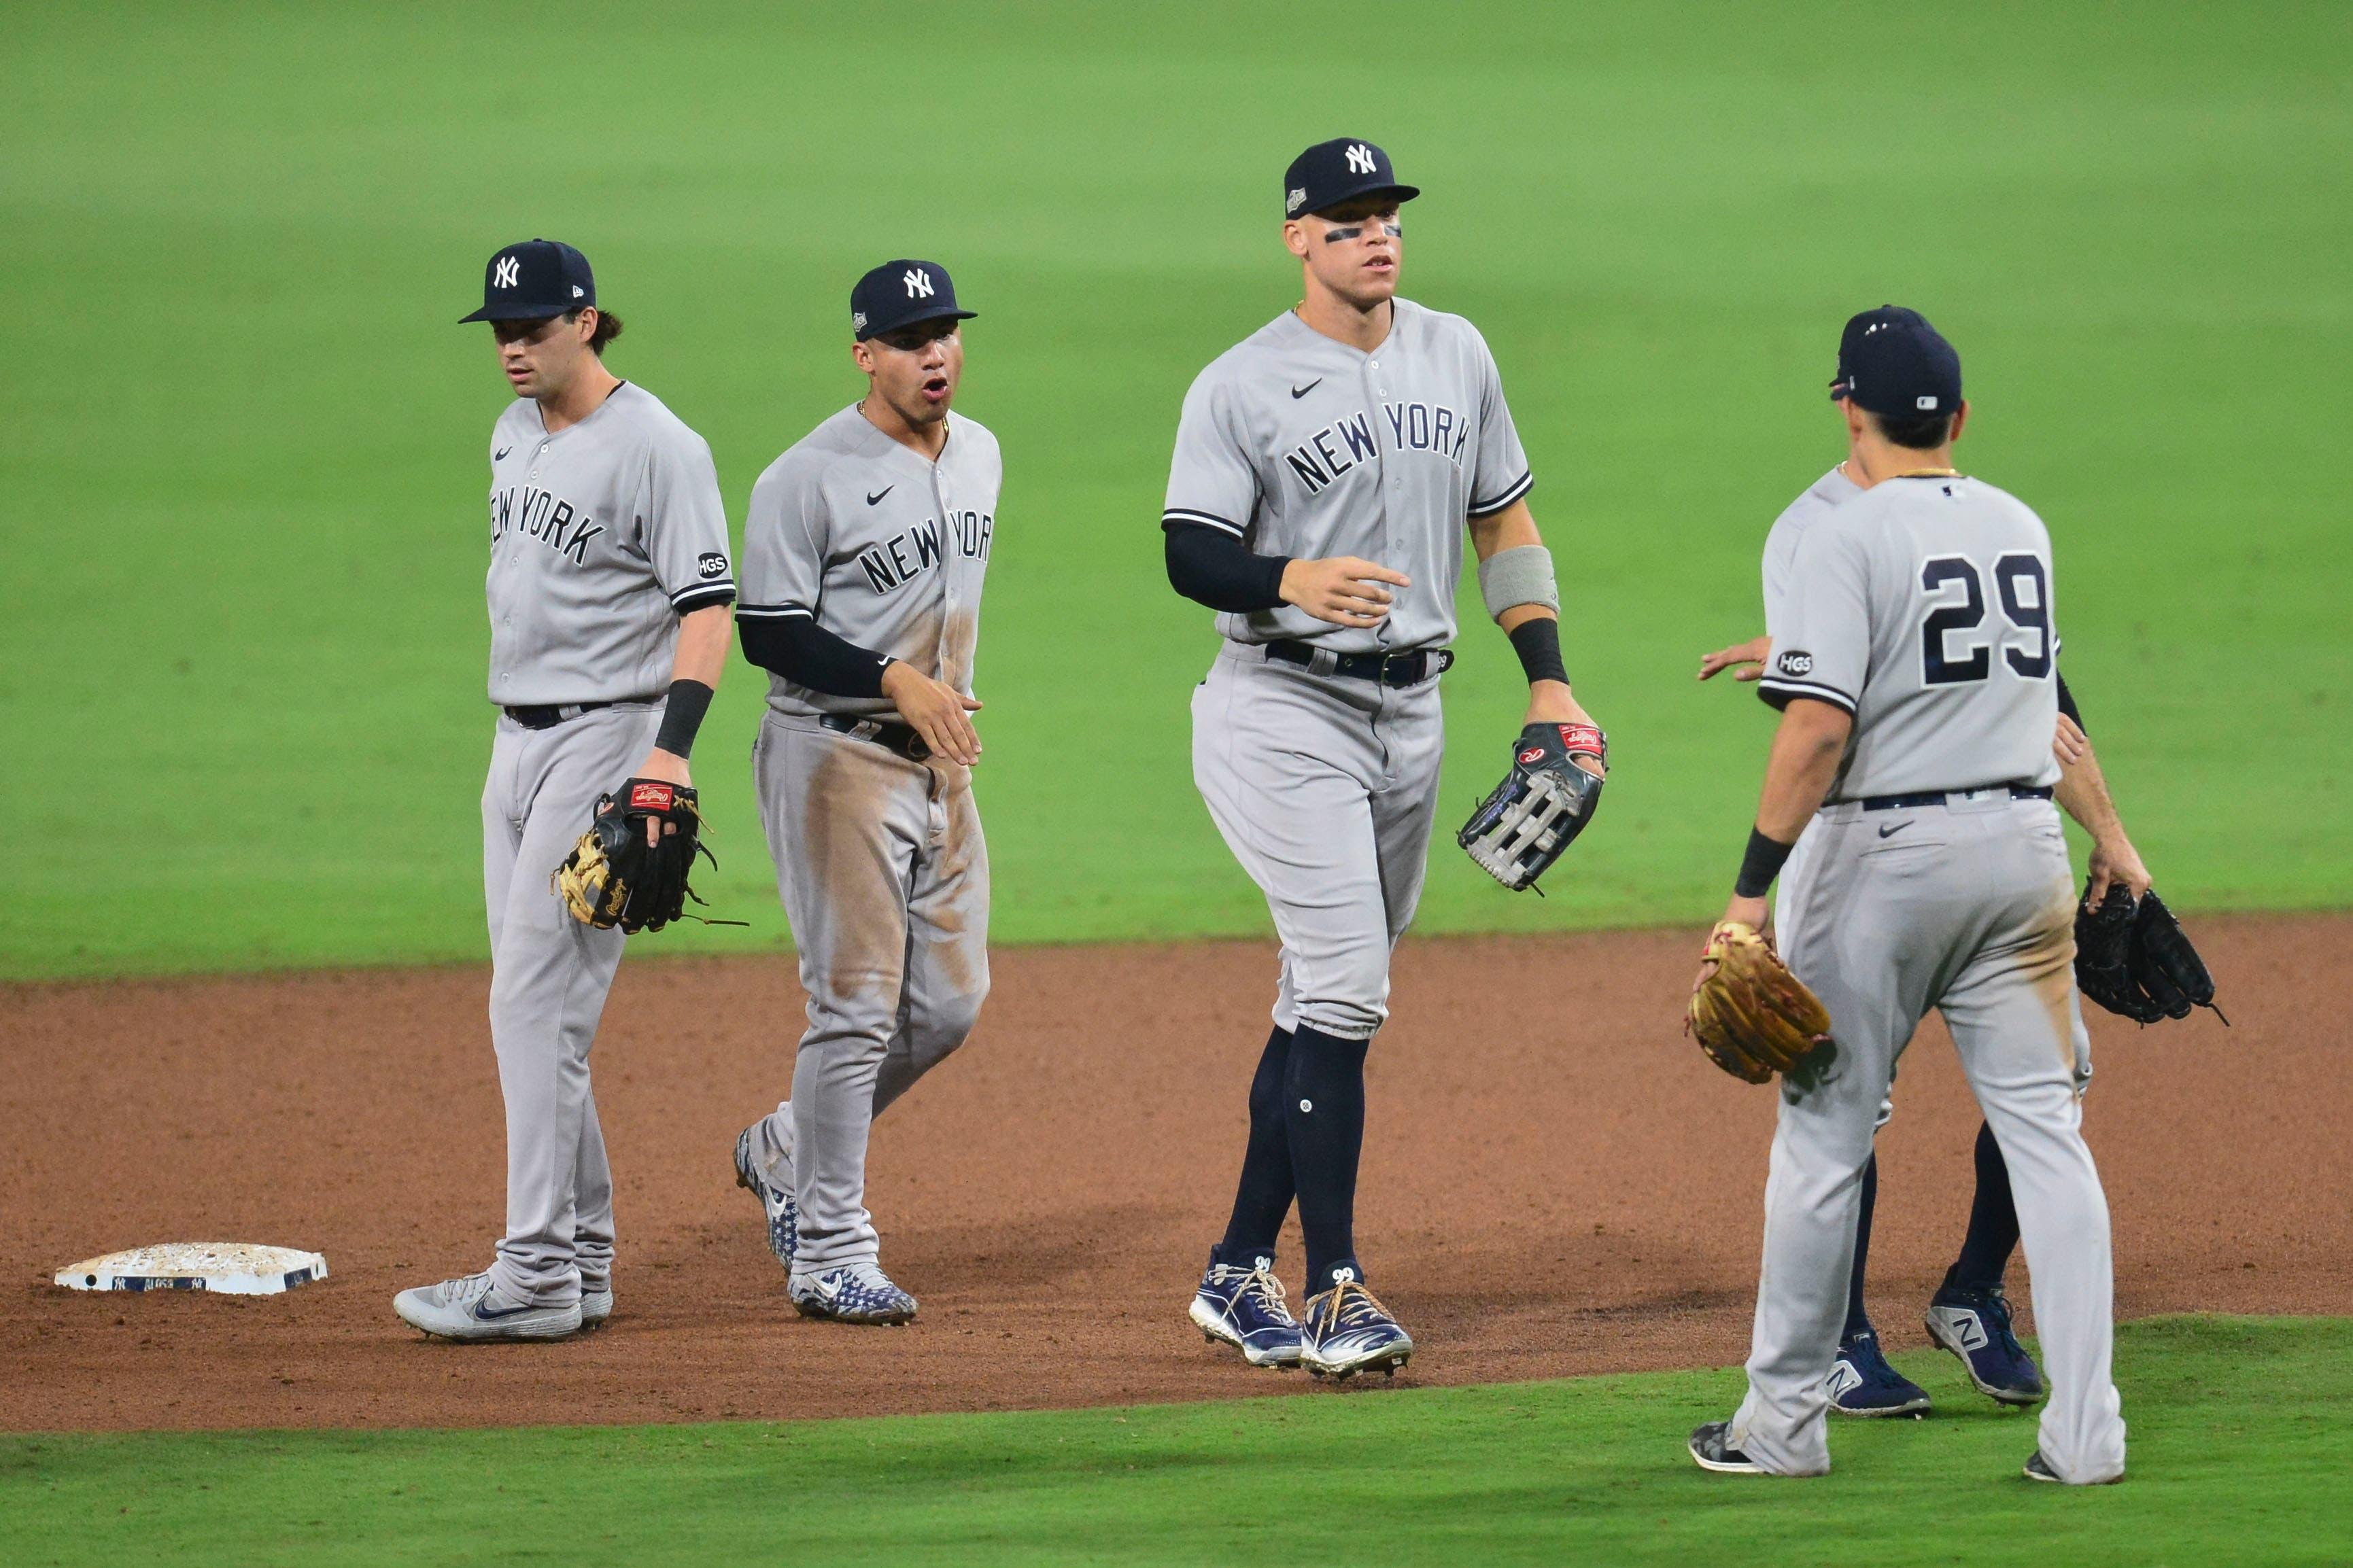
[
  {"x": 880, "y": 548},
  {"x": 602, "y": 534},
  {"x": 1831, "y": 490},
  {"x": 1304, "y": 446},
  {"x": 1924, "y": 608}
]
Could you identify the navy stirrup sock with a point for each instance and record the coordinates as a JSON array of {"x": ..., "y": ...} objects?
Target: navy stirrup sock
[
  {"x": 1324, "y": 1109},
  {"x": 1263, "y": 1196},
  {"x": 1857, "y": 1320},
  {"x": 1993, "y": 1223}
]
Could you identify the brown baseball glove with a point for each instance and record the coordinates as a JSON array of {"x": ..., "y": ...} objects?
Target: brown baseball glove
[{"x": 1750, "y": 1015}]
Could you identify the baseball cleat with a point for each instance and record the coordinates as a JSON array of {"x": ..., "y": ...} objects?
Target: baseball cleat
[
  {"x": 784, "y": 1216},
  {"x": 1712, "y": 1449},
  {"x": 1975, "y": 1326},
  {"x": 1347, "y": 1331},
  {"x": 595, "y": 1303},
  {"x": 2038, "y": 1468},
  {"x": 474, "y": 1308},
  {"x": 1863, "y": 1383},
  {"x": 853, "y": 1293},
  {"x": 1244, "y": 1307}
]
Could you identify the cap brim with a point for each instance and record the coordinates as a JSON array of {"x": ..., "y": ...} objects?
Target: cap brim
[
  {"x": 1402, "y": 192},
  {"x": 937, "y": 313},
  {"x": 487, "y": 314}
]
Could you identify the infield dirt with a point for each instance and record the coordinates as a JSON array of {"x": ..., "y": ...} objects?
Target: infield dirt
[{"x": 1555, "y": 1181}]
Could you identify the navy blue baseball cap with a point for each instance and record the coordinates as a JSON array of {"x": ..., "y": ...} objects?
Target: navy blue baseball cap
[
  {"x": 534, "y": 280},
  {"x": 1892, "y": 361},
  {"x": 1331, "y": 172},
  {"x": 898, "y": 294}
]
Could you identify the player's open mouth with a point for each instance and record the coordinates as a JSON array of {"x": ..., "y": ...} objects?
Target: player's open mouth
[{"x": 936, "y": 387}]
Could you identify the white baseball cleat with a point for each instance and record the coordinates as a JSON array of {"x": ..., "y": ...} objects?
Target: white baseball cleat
[{"x": 473, "y": 1309}]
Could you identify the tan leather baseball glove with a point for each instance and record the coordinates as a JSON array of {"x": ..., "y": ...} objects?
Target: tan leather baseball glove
[{"x": 1750, "y": 1015}]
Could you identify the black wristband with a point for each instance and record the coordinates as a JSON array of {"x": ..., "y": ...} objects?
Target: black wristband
[
  {"x": 1537, "y": 642},
  {"x": 689, "y": 701},
  {"x": 1760, "y": 865}
]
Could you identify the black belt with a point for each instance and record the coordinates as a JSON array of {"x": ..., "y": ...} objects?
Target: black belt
[
  {"x": 547, "y": 716},
  {"x": 1388, "y": 668},
  {"x": 1939, "y": 796},
  {"x": 900, "y": 738}
]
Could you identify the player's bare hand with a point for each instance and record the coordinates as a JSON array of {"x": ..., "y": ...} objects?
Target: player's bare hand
[
  {"x": 1344, "y": 590},
  {"x": 1551, "y": 702},
  {"x": 1745, "y": 660},
  {"x": 2114, "y": 860},
  {"x": 2070, "y": 745},
  {"x": 669, "y": 767},
  {"x": 1747, "y": 911},
  {"x": 935, "y": 709}
]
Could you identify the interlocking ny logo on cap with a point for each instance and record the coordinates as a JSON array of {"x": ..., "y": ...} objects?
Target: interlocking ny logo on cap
[
  {"x": 1360, "y": 159},
  {"x": 506, "y": 274},
  {"x": 918, "y": 282}
]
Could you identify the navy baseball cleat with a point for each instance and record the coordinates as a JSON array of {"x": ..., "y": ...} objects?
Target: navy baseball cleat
[
  {"x": 1975, "y": 1326},
  {"x": 853, "y": 1293},
  {"x": 784, "y": 1214},
  {"x": 1863, "y": 1383},
  {"x": 1348, "y": 1331},
  {"x": 1712, "y": 1449},
  {"x": 1244, "y": 1307}
]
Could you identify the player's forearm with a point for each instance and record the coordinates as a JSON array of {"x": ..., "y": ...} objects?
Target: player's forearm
[
  {"x": 805, "y": 654},
  {"x": 1803, "y": 764},
  {"x": 702, "y": 645},
  {"x": 2083, "y": 794},
  {"x": 1212, "y": 568}
]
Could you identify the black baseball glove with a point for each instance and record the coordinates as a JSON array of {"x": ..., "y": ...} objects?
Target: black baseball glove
[
  {"x": 615, "y": 878},
  {"x": 2133, "y": 958},
  {"x": 1543, "y": 804}
]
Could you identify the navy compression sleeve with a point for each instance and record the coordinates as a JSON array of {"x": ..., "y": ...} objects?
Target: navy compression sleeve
[
  {"x": 801, "y": 650},
  {"x": 1210, "y": 566}
]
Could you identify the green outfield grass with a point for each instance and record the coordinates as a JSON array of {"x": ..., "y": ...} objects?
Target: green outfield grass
[
  {"x": 241, "y": 634},
  {"x": 2239, "y": 1455}
]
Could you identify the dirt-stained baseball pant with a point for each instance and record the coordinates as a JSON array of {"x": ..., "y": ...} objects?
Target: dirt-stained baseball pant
[
  {"x": 1967, "y": 907},
  {"x": 1324, "y": 788},
  {"x": 548, "y": 975},
  {"x": 884, "y": 876}
]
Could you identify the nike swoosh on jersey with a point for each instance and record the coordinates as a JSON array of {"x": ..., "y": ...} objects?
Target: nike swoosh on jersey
[
  {"x": 878, "y": 495},
  {"x": 1299, "y": 392},
  {"x": 501, "y": 455},
  {"x": 1893, "y": 830}
]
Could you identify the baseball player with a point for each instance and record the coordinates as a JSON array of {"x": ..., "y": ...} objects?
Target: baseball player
[
  {"x": 1969, "y": 1315},
  {"x": 1325, "y": 470},
  {"x": 609, "y": 588},
  {"x": 1913, "y": 656},
  {"x": 864, "y": 555}
]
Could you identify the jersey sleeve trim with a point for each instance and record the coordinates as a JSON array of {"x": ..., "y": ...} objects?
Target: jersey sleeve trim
[
  {"x": 1777, "y": 690},
  {"x": 1512, "y": 492},
  {"x": 774, "y": 612},
  {"x": 1206, "y": 518},
  {"x": 701, "y": 597}
]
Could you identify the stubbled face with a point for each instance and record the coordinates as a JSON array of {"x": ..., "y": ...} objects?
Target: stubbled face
[
  {"x": 542, "y": 359},
  {"x": 1356, "y": 249},
  {"x": 916, "y": 369}
]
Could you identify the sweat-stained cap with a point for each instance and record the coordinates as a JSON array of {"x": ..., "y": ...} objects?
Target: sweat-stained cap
[{"x": 534, "y": 280}]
